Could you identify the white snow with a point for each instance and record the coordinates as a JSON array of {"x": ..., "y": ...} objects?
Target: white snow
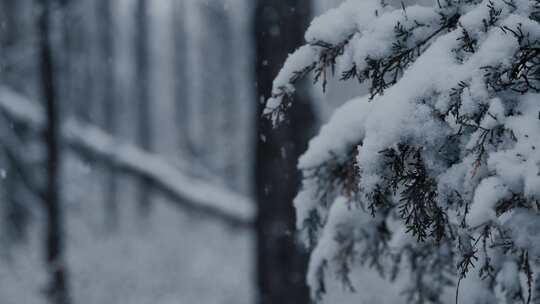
[
  {"x": 339, "y": 135},
  {"x": 171, "y": 257},
  {"x": 488, "y": 193},
  {"x": 486, "y": 171}
]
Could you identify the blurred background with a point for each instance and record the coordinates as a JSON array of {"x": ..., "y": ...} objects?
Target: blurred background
[{"x": 134, "y": 164}]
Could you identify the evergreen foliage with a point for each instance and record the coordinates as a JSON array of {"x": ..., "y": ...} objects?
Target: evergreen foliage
[{"x": 434, "y": 176}]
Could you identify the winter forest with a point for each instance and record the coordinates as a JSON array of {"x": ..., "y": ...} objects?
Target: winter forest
[{"x": 269, "y": 151}]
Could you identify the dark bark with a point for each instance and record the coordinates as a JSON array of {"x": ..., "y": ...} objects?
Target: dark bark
[
  {"x": 281, "y": 261},
  {"x": 144, "y": 123},
  {"x": 57, "y": 290},
  {"x": 108, "y": 102}
]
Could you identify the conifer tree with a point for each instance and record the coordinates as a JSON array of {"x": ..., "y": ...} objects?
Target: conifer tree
[{"x": 433, "y": 178}]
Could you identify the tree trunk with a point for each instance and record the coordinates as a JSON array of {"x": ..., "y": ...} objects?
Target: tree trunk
[
  {"x": 57, "y": 291},
  {"x": 181, "y": 97},
  {"x": 82, "y": 35},
  {"x": 14, "y": 213},
  {"x": 108, "y": 102},
  {"x": 281, "y": 261},
  {"x": 144, "y": 122},
  {"x": 13, "y": 70}
]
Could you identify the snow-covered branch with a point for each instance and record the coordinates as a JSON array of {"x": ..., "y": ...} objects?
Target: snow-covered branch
[
  {"x": 187, "y": 192},
  {"x": 434, "y": 174}
]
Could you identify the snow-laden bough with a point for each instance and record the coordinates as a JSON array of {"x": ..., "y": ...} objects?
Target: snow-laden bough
[{"x": 433, "y": 178}]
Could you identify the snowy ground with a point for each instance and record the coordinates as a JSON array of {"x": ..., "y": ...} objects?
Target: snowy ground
[{"x": 171, "y": 257}]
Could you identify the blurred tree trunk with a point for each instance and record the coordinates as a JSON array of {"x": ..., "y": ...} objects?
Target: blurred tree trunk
[
  {"x": 15, "y": 70},
  {"x": 222, "y": 95},
  {"x": 108, "y": 101},
  {"x": 80, "y": 35},
  {"x": 14, "y": 213},
  {"x": 76, "y": 67},
  {"x": 228, "y": 142},
  {"x": 15, "y": 208},
  {"x": 9, "y": 31},
  {"x": 144, "y": 121},
  {"x": 181, "y": 84},
  {"x": 281, "y": 261},
  {"x": 54, "y": 247},
  {"x": 68, "y": 61}
]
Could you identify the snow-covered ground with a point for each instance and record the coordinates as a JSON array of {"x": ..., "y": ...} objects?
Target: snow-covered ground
[{"x": 170, "y": 257}]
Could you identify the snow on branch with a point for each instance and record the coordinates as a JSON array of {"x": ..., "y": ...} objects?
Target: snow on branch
[
  {"x": 433, "y": 178},
  {"x": 187, "y": 192},
  {"x": 366, "y": 41}
]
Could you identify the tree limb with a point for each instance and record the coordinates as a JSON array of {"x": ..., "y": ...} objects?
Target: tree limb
[{"x": 186, "y": 192}]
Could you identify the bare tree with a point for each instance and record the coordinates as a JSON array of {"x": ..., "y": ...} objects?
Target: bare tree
[
  {"x": 54, "y": 247},
  {"x": 281, "y": 261}
]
